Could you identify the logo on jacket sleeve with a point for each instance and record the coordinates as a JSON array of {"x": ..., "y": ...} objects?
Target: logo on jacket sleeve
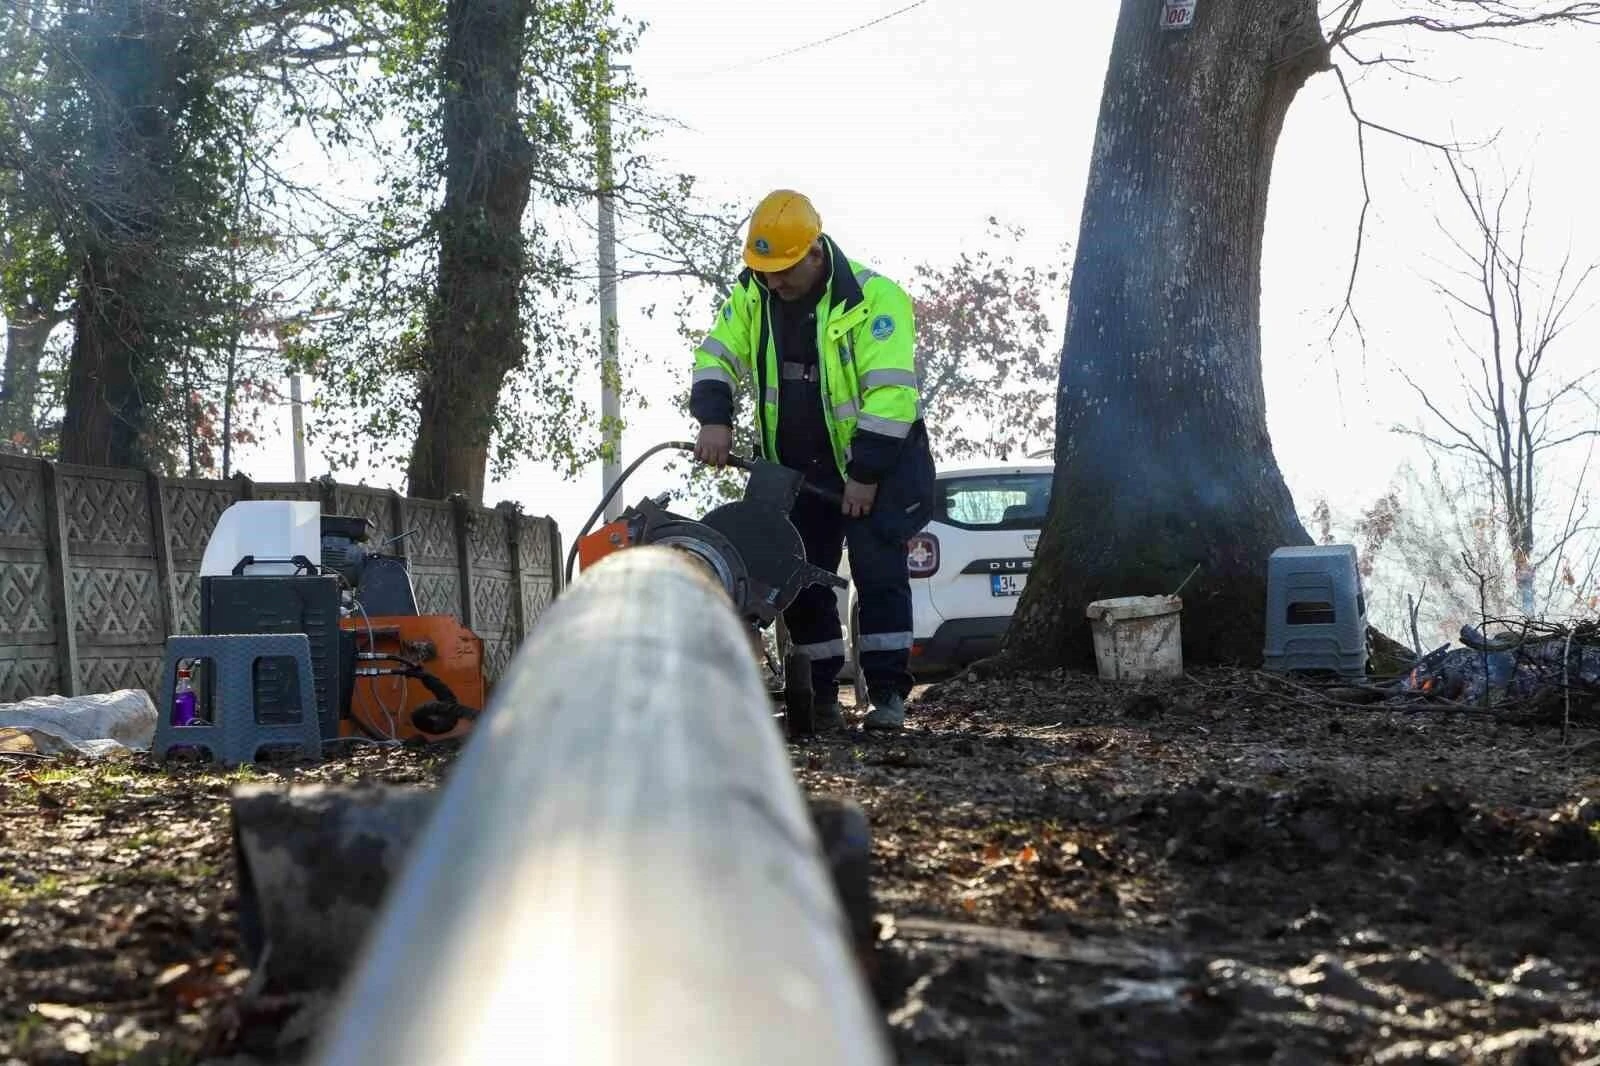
[
  {"x": 727, "y": 312},
  {"x": 883, "y": 327}
]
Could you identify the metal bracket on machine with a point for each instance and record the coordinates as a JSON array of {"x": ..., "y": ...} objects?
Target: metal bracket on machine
[{"x": 750, "y": 544}]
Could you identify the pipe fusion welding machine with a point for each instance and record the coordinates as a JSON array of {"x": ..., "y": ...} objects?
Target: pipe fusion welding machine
[{"x": 383, "y": 670}]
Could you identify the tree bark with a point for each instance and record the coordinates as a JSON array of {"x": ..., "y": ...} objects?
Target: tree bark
[
  {"x": 133, "y": 238},
  {"x": 190, "y": 413},
  {"x": 1162, "y": 457},
  {"x": 475, "y": 326},
  {"x": 107, "y": 402},
  {"x": 230, "y": 389},
  {"x": 314, "y": 863},
  {"x": 27, "y": 332}
]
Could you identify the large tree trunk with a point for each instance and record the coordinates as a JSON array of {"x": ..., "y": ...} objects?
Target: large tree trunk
[
  {"x": 110, "y": 377},
  {"x": 475, "y": 328},
  {"x": 27, "y": 332},
  {"x": 1162, "y": 455},
  {"x": 129, "y": 267}
]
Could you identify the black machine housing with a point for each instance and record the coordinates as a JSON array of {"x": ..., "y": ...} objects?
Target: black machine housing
[
  {"x": 757, "y": 555},
  {"x": 382, "y": 583},
  {"x": 281, "y": 603},
  {"x": 750, "y": 544}
]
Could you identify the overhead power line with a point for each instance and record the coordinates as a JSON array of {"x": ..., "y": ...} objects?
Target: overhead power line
[{"x": 813, "y": 44}]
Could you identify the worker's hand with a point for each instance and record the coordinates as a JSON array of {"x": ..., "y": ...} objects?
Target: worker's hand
[
  {"x": 714, "y": 445},
  {"x": 858, "y": 498}
]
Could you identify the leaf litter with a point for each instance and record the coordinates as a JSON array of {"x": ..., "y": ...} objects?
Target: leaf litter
[
  {"x": 1065, "y": 870},
  {"x": 1203, "y": 871},
  {"x": 117, "y": 910}
]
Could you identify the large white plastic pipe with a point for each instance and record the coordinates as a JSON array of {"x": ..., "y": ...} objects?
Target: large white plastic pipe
[{"x": 621, "y": 868}]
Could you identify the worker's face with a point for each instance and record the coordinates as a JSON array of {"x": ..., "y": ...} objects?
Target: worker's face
[{"x": 790, "y": 285}]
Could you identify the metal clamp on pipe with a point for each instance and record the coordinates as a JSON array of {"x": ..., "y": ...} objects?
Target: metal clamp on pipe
[{"x": 621, "y": 867}]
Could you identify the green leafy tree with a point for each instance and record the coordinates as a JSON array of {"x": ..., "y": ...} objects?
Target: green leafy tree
[
  {"x": 146, "y": 132},
  {"x": 457, "y": 334},
  {"x": 132, "y": 150},
  {"x": 34, "y": 280},
  {"x": 35, "y": 271}
]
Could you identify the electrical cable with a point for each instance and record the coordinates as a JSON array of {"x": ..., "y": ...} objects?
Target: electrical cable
[
  {"x": 372, "y": 643},
  {"x": 810, "y": 45},
  {"x": 405, "y": 696},
  {"x": 374, "y": 737}
]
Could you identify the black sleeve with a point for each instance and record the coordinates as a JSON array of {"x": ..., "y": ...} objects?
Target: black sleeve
[
  {"x": 872, "y": 455},
  {"x": 711, "y": 403}
]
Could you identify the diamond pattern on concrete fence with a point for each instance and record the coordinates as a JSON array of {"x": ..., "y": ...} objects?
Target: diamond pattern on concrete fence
[
  {"x": 491, "y": 602},
  {"x": 25, "y": 599},
  {"x": 21, "y": 506},
  {"x": 113, "y": 601},
  {"x": 106, "y": 511}
]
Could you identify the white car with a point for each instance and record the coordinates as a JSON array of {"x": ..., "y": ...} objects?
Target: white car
[{"x": 968, "y": 565}]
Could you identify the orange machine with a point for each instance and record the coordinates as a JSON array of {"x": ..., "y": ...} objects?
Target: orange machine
[
  {"x": 384, "y": 697},
  {"x": 602, "y": 542}
]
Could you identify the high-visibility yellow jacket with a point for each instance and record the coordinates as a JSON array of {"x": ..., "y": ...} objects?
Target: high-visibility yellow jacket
[{"x": 866, "y": 339}]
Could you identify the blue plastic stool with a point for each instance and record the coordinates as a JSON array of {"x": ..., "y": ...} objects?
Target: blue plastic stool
[
  {"x": 1316, "y": 611},
  {"x": 234, "y": 734}
]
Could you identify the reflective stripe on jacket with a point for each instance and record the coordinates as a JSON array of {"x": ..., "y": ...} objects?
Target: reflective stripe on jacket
[{"x": 866, "y": 340}]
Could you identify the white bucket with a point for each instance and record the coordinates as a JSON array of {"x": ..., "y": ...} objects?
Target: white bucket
[{"x": 1137, "y": 637}]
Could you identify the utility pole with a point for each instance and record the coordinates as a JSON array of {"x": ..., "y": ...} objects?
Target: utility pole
[
  {"x": 610, "y": 365},
  {"x": 297, "y": 421}
]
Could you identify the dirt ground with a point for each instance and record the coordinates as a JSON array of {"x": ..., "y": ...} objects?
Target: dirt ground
[{"x": 1213, "y": 871}]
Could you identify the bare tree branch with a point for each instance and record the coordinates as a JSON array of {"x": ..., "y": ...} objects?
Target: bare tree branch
[
  {"x": 1348, "y": 307},
  {"x": 1510, "y": 404},
  {"x": 1491, "y": 15},
  {"x": 1565, "y": 539},
  {"x": 1470, "y": 19}
]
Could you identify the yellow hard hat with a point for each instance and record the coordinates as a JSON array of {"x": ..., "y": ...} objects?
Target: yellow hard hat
[{"x": 781, "y": 231}]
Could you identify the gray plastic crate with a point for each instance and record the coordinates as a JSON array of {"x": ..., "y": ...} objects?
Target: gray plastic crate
[
  {"x": 1316, "y": 611},
  {"x": 235, "y": 734}
]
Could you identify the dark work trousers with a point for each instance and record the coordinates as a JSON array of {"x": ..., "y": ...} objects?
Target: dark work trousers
[{"x": 883, "y": 595}]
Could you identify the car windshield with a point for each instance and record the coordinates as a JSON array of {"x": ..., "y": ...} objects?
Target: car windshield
[{"x": 994, "y": 501}]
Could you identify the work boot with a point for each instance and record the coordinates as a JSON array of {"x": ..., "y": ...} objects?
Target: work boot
[
  {"x": 827, "y": 716},
  {"x": 888, "y": 711}
]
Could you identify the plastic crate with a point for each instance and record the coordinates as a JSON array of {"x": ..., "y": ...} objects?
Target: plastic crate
[{"x": 1316, "y": 611}]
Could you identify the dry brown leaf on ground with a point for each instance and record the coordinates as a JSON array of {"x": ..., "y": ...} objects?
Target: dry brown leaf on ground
[{"x": 191, "y": 984}]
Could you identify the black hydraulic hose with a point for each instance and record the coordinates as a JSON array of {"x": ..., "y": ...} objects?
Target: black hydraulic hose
[
  {"x": 572, "y": 553},
  {"x": 441, "y": 692},
  {"x": 434, "y": 684}
]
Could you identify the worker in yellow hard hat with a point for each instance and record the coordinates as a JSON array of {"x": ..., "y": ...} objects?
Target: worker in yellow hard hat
[{"x": 824, "y": 348}]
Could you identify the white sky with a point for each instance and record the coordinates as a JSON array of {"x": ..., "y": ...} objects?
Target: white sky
[{"x": 907, "y": 135}]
